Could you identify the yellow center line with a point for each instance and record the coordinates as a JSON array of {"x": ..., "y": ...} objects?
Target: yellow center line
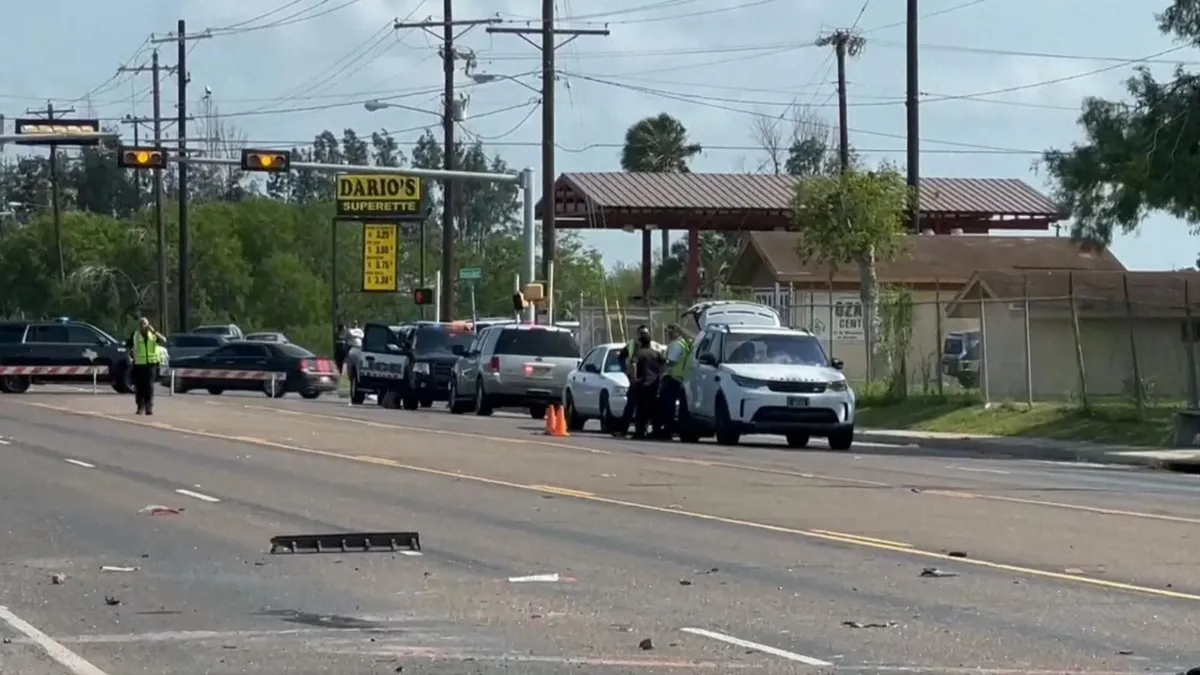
[
  {"x": 862, "y": 538},
  {"x": 822, "y": 535}
]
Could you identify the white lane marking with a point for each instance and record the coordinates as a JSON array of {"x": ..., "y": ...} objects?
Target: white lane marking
[
  {"x": 412, "y": 553},
  {"x": 4, "y": 442},
  {"x": 766, "y": 649},
  {"x": 79, "y": 463},
  {"x": 972, "y": 470},
  {"x": 55, "y": 650},
  {"x": 198, "y": 495}
]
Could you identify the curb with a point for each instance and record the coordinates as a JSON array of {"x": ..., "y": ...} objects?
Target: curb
[{"x": 1043, "y": 449}]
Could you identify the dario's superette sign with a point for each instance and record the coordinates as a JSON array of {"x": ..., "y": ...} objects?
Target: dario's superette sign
[{"x": 379, "y": 197}]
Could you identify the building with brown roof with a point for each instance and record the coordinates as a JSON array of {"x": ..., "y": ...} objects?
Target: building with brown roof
[
  {"x": 696, "y": 202},
  {"x": 936, "y": 269},
  {"x": 1127, "y": 330}
]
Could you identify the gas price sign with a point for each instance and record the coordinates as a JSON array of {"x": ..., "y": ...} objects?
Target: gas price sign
[{"x": 381, "y": 258}]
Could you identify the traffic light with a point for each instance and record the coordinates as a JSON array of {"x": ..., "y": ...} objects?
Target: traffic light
[
  {"x": 423, "y": 296},
  {"x": 266, "y": 160},
  {"x": 519, "y": 303},
  {"x": 141, "y": 158}
]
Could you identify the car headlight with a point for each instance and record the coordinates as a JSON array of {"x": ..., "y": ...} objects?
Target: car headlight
[
  {"x": 747, "y": 382},
  {"x": 838, "y": 385},
  {"x": 620, "y": 391},
  {"x": 421, "y": 368}
]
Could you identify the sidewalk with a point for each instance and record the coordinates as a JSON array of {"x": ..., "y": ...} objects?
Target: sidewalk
[{"x": 1171, "y": 459}]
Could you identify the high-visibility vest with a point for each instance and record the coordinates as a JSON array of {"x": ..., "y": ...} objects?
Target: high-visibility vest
[
  {"x": 145, "y": 349},
  {"x": 679, "y": 369}
]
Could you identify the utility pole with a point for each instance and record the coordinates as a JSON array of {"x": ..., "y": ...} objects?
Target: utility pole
[
  {"x": 54, "y": 206},
  {"x": 548, "y": 47},
  {"x": 452, "y": 113},
  {"x": 156, "y": 70},
  {"x": 912, "y": 104},
  {"x": 845, "y": 44},
  {"x": 182, "y": 78}
]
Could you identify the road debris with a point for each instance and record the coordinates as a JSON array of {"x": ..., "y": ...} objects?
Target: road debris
[
  {"x": 160, "y": 510},
  {"x": 685, "y": 582},
  {"x": 111, "y": 601},
  {"x": 935, "y": 573},
  {"x": 58, "y": 579},
  {"x": 117, "y": 568},
  {"x": 646, "y": 645},
  {"x": 546, "y": 578},
  {"x": 870, "y": 624},
  {"x": 957, "y": 554}
]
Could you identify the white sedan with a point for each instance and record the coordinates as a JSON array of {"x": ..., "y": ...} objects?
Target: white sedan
[{"x": 596, "y": 390}]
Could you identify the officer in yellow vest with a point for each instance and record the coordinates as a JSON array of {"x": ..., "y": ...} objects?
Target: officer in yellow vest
[
  {"x": 143, "y": 347},
  {"x": 679, "y": 351}
]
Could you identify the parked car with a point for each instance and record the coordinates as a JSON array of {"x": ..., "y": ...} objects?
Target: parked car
[
  {"x": 229, "y": 331},
  {"x": 60, "y": 351},
  {"x": 266, "y": 337},
  {"x": 513, "y": 365},
  {"x": 596, "y": 390},
  {"x": 247, "y": 366}
]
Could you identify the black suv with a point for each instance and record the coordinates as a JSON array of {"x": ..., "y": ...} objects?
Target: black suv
[
  {"x": 429, "y": 347},
  {"x": 60, "y": 351}
]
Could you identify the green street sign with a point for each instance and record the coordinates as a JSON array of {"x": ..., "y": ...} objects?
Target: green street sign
[{"x": 470, "y": 274}]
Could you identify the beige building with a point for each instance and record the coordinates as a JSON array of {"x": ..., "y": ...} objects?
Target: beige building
[
  {"x": 1127, "y": 328},
  {"x": 935, "y": 268}
]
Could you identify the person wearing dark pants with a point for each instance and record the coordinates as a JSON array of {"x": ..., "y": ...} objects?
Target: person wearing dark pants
[
  {"x": 643, "y": 366},
  {"x": 143, "y": 347}
]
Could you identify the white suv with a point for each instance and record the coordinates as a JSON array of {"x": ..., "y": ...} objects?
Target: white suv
[{"x": 747, "y": 379}]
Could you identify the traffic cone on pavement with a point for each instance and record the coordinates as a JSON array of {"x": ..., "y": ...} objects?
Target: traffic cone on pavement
[
  {"x": 549, "y": 430},
  {"x": 560, "y": 422}
]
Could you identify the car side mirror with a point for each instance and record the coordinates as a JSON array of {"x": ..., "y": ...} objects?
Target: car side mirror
[
  {"x": 591, "y": 368},
  {"x": 707, "y": 359},
  {"x": 837, "y": 363},
  {"x": 458, "y": 350}
]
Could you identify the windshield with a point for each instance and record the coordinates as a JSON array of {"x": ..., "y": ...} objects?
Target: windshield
[
  {"x": 294, "y": 352},
  {"x": 777, "y": 348},
  {"x": 434, "y": 339},
  {"x": 547, "y": 343},
  {"x": 612, "y": 363},
  {"x": 953, "y": 346}
]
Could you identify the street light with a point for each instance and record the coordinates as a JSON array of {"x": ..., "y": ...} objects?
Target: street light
[
  {"x": 376, "y": 104},
  {"x": 484, "y": 78}
]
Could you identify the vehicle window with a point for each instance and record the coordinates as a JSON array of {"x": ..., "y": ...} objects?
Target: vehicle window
[
  {"x": 783, "y": 349},
  {"x": 241, "y": 350},
  {"x": 213, "y": 330},
  {"x": 82, "y": 335},
  {"x": 705, "y": 344},
  {"x": 612, "y": 364},
  {"x": 293, "y": 352},
  {"x": 953, "y": 346},
  {"x": 376, "y": 338},
  {"x": 194, "y": 341},
  {"x": 551, "y": 343},
  {"x": 440, "y": 338},
  {"x": 47, "y": 333},
  {"x": 11, "y": 333}
]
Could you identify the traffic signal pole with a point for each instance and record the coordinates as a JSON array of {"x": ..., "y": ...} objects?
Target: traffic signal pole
[{"x": 159, "y": 226}]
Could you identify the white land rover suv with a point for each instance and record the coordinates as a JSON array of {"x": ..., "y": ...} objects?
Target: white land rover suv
[{"x": 754, "y": 379}]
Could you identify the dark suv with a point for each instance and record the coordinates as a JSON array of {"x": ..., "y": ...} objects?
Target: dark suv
[
  {"x": 430, "y": 347},
  {"x": 60, "y": 351}
]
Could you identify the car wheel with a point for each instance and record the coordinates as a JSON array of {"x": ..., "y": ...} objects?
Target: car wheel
[
  {"x": 390, "y": 399},
  {"x": 410, "y": 401},
  {"x": 841, "y": 440},
  {"x": 575, "y": 421},
  {"x": 483, "y": 406},
  {"x": 15, "y": 384},
  {"x": 122, "y": 383},
  {"x": 726, "y": 434},
  {"x": 310, "y": 395},
  {"x": 274, "y": 389},
  {"x": 357, "y": 396},
  {"x": 537, "y": 412},
  {"x": 456, "y": 407},
  {"x": 797, "y": 440},
  {"x": 216, "y": 391}
]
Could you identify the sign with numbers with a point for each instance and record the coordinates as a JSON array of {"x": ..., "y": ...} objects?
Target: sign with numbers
[{"x": 381, "y": 258}]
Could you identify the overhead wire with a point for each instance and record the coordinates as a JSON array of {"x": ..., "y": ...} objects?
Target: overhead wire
[
  {"x": 286, "y": 5},
  {"x": 675, "y": 17},
  {"x": 290, "y": 19},
  {"x": 928, "y": 15},
  {"x": 537, "y": 104},
  {"x": 662, "y": 4}
]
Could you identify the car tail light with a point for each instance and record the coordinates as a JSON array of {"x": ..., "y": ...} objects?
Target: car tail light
[
  {"x": 494, "y": 364},
  {"x": 309, "y": 366},
  {"x": 528, "y": 370},
  {"x": 326, "y": 366}
]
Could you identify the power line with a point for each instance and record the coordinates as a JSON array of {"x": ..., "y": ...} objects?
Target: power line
[
  {"x": 264, "y": 15},
  {"x": 688, "y": 15},
  {"x": 289, "y": 20}
]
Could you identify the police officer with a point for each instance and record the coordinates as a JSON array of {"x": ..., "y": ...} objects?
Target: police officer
[
  {"x": 143, "y": 345},
  {"x": 679, "y": 350}
]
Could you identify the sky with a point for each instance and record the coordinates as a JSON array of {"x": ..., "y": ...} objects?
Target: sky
[{"x": 1002, "y": 80}]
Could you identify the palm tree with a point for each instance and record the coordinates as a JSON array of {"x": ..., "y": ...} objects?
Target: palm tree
[{"x": 658, "y": 145}]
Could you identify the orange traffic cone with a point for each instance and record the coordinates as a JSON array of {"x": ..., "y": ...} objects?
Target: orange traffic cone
[
  {"x": 550, "y": 426},
  {"x": 560, "y": 422}
]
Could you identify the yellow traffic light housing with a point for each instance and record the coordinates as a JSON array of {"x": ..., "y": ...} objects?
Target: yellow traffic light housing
[
  {"x": 141, "y": 158},
  {"x": 271, "y": 161}
]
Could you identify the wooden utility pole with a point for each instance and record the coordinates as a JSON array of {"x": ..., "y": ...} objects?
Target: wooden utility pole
[
  {"x": 845, "y": 44},
  {"x": 549, "y": 33},
  {"x": 452, "y": 114},
  {"x": 912, "y": 104}
]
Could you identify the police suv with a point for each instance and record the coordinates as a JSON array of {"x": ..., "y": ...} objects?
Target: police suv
[
  {"x": 406, "y": 365},
  {"x": 40, "y": 352},
  {"x": 751, "y": 375}
]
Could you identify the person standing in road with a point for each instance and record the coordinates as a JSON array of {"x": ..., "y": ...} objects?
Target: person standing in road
[
  {"x": 341, "y": 346},
  {"x": 643, "y": 366},
  {"x": 356, "y": 335},
  {"x": 144, "y": 348},
  {"x": 671, "y": 391}
]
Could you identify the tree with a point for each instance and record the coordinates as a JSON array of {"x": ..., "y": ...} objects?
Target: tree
[
  {"x": 797, "y": 143},
  {"x": 1137, "y": 156},
  {"x": 658, "y": 144},
  {"x": 855, "y": 218}
]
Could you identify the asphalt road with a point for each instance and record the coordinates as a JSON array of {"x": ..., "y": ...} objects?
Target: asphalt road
[{"x": 751, "y": 559}]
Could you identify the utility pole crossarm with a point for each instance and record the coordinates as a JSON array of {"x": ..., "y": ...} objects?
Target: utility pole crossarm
[
  {"x": 553, "y": 31},
  {"x": 181, "y": 37},
  {"x": 442, "y": 24}
]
